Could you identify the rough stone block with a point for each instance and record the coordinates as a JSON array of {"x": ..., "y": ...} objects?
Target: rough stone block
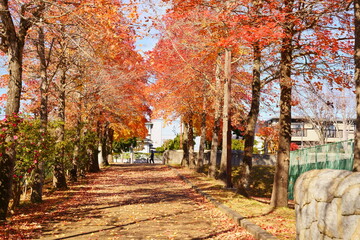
[
  {"x": 301, "y": 195},
  {"x": 327, "y": 205},
  {"x": 351, "y": 200},
  {"x": 330, "y": 218},
  {"x": 351, "y": 225},
  {"x": 304, "y": 234},
  {"x": 351, "y": 179},
  {"x": 314, "y": 231},
  {"x": 324, "y": 187},
  {"x": 309, "y": 213}
]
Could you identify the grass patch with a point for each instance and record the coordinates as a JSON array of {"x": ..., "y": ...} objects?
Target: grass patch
[{"x": 262, "y": 178}]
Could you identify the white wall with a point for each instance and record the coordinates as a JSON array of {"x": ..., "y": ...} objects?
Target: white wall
[{"x": 161, "y": 132}]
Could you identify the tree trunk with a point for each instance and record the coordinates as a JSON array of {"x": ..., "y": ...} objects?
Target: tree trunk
[
  {"x": 214, "y": 149},
  {"x": 77, "y": 150},
  {"x": 109, "y": 140},
  {"x": 6, "y": 174},
  {"x": 185, "y": 160},
  {"x": 59, "y": 179},
  {"x": 216, "y": 128},
  {"x": 357, "y": 86},
  {"x": 92, "y": 153},
  {"x": 12, "y": 44},
  {"x": 279, "y": 197},
  {"x": 77, "y": 143},
  {"x": 181, "y": 135},
  {"x": 104, "y": 153},
  {"x": 8, "y": 158},
  {"x": 75, "y": 160},
  {"x": 38, "y": 181},
  {"x": 104, "y": 146},
  {"x": 200, "y": 161},
  {"x": 191, "y": 144},
  {"x": 83, "y": 160},
  {"x": 225, "y": 166},
  {"x": 16, "y": 194},
  {"x": 249, "y": 136}
]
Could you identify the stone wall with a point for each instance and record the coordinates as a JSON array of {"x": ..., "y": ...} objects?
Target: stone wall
[
  {"x": 327, "y": 205},
  {"x": 175, "y": 157}
]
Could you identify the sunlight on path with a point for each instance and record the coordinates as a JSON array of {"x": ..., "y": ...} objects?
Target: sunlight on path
[{"x": 141, "y": 202}]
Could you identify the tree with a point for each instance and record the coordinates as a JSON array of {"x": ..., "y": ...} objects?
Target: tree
[
  {"x": 214, "y": 33},
  {"x": 279, "y": 193},
  {"x": 200, "y": 160},
  {"x": 313, "y": 56},
  {"x": 181, "y": 54},
  {"x": 225, "y": 166},
  {"x": 258, "y": 41},
  {"x": 217, "y": 118},
  {"x": 12, "y": 44},
  {"x": 78, "y": 49},
  {"x": 36, "y": 193},
  {"x": 324, "y": 109}
]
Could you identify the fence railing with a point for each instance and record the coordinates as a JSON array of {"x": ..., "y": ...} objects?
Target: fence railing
[{"x": 338, "y": 155}]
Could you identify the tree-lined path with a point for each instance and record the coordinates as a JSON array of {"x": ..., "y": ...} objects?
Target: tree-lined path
[{"x": 128, "y": 202}]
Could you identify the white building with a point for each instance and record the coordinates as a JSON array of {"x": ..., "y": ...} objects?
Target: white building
[
  {"x": 306, "y": 133},
  {"x": 159, "y": 131}
]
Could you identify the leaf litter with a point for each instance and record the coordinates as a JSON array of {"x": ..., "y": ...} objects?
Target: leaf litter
[{"x": 123, "y": 202}]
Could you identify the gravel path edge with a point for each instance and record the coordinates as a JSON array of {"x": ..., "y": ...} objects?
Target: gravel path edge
[{"x": 252, "y": 228}]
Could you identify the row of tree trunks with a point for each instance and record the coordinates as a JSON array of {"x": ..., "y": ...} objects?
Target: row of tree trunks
[
  {"x": 288, "y": 48},
  {"x": 188, "y": 144}
]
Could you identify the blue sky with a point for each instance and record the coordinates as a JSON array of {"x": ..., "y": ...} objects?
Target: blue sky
[{"x": 148, "y": 11}]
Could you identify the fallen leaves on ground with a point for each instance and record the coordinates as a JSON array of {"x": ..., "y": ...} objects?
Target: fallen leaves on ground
[
  {"x": 124, "y": 202},
  {"x": 280, "y": 222}
]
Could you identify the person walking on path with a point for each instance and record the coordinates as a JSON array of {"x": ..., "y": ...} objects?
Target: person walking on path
[{"x": 152, "y": 157}]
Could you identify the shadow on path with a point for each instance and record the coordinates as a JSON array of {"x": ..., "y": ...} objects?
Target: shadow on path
[{"x": 124, "y": 202}]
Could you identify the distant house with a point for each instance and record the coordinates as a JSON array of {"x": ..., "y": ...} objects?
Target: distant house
[{"x": 311, "y": 132}]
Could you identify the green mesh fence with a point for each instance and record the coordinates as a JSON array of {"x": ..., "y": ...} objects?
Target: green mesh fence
[{"x": 338, "y": 155}]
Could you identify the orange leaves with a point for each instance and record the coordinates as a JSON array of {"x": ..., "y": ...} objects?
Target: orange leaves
[
  {"x": 4, "y": 80},
  {"x": 318, "y": 85},
  {"x": 133, "y": 14},
  {"x": 131, "y": 127},
  {"x": 269, "y": 133},
  {"x": 295, "y": 102},
  {"x": 3, "y": 98}
]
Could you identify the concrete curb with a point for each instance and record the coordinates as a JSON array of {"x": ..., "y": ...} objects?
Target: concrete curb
[{"x": 252, "y": 228}]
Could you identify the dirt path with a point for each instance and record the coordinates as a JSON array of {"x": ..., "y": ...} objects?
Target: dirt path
[
  {"x": 143, "y": 202},
  {"x": 131, "y": 202}
]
